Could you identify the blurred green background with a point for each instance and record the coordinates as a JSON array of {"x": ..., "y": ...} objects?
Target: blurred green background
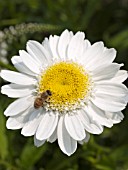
[{"x": 101, "y": 20}]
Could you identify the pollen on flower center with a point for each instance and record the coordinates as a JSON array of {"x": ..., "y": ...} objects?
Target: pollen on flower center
[{"x": 68, "y": 83}]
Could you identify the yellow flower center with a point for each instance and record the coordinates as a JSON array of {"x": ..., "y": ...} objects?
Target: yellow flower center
[{"x": 68, "y": 83}]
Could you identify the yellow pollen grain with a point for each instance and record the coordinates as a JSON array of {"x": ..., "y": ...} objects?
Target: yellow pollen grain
[{"x": 67, "y": 82}]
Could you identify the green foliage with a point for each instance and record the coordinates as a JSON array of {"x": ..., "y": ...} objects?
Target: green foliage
[
  {"x": 3, "y": 137},
  {"x": 30, "y": 155},
  {"x": 101, "y": 20}
]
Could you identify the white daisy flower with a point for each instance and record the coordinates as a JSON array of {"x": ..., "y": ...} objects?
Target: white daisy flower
[{"x": 67, "y": 90}]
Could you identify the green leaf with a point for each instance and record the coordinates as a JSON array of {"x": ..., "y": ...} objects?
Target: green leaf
[{"x": 30, "y": 155}]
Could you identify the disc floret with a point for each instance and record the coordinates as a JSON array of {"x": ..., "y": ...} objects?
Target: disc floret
[{"x": 69, "y": 84}]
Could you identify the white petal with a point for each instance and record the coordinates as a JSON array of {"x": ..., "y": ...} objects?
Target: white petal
[
  {"x": 86, "y": 139},
  {"x": 66, "y": 143},
  {"x": 74, "y": 127},
  {"x": 90, "y": 125},
  {"x": 38, "y": 52},
  {"x": 76, "y": 46},
  {"x": 15, "y": 91},
  {"x": 92, "y": 54},
  {"x": 31, "y": 126},
  {"x": 46, "y": 45},
  {"x": 98, "y": 115},
  {"x": 106, "y": 57},
  {"x": 37, "y": 142},
  {"x": 126, "y": 98},
  {"x": 108, "y": 102},
  {"x": 18, "y": 121},
  {"x": 20, "y": 66},
  {"x": 105, "y": 72},
  {"x": 29, "y": 62},
  {"x": 12, "y": 123},
  {"x": 17, "y": 78},
  {"x": 121, "y": 76},
  {"x": 109, "y": 55},
  {"x": 86, "y": 45},
  {"x": 18, "y": 106},
  {"x": 116, "y": 117},
  {"x": 47, "y": 126},
  {"x": 115, "y": 89},
  {"x": 53, "y": 137},
  {"x": 53, "y": 41},
  {"x": 63, "y": 43}
]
